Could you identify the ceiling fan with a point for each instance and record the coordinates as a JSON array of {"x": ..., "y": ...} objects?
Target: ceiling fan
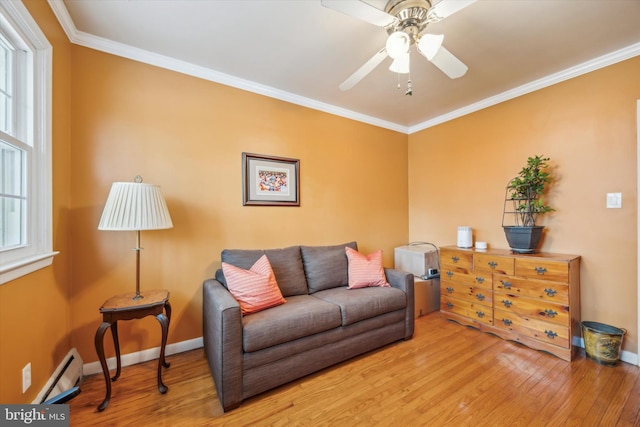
[{"x": 405, "y": 21}]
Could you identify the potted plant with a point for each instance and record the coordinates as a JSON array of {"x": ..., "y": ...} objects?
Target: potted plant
[{"x": 524, "y": 203}]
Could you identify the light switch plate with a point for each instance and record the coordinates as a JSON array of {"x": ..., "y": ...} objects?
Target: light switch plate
[{"x": 614, "y": 200}]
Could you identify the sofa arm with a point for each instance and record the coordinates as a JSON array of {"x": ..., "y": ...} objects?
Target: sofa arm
[
  {"x": 404, "y": 281},
  {"x": 222, "y": 337}
]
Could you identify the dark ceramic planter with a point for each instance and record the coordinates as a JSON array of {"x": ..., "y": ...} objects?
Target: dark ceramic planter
[{"x": 523, "y": 240}]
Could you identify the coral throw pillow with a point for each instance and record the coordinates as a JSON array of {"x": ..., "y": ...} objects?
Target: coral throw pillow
[
  {"x": 365, "y": 270},
  {"x": 255, "y": 289}
]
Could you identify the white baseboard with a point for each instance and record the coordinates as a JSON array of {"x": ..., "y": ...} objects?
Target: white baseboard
[
  {"x": 629, "y": 357},
  {"x": 143, "y": 356}
]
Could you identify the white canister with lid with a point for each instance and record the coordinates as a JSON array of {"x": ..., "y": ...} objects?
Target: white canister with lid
[{"x": 465, "y": 238}]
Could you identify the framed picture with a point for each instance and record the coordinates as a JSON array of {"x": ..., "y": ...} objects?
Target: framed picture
[{"x": 270, "y": 180}]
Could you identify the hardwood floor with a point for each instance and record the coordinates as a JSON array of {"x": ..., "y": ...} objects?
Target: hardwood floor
[{"x": 447, "y": 375}]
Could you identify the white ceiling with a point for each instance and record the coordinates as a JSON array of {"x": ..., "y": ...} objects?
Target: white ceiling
[{"x": 300, "y": 51}]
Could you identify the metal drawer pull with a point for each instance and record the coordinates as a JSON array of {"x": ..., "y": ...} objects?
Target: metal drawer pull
[
  {"x": 507, "y": 285},
  {"x": 449, "y": 273},
  {"x": 480, "y": 314},
  {"x": 550, "y": 334},
  {"x": 507, "y": 322},
  {"x": 449, "y": 289},
  {"x": 507, "y": 303},
  {"x": 540, "y": 270},
  {"x": 449, "y": 305},
  {"x": 480, "y": 297},
  {"x": 551, "y": 292},
  {"x": 479, "y": 279},
  {"x": 550, "y": 313},
  {"x": 455, "y": 259},
  {"x": 492, "y": 264}
]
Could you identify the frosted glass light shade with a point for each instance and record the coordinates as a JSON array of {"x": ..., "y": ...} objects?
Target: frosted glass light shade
[
  {"x": 398, "y": 44},
  {"x": 400, "y": 65},
  {"x": 135, "y": 206}
]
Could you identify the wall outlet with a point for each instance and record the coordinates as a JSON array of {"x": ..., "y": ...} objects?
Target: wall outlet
[{"x": 26, "y": 377}]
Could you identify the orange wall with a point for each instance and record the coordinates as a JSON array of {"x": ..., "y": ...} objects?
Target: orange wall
[
  {"x": 35, "y": 310},
  {"x": 187, "y": 135},
  {"x": 115, "y": 118},
  {"x": 458, "y": 172}
]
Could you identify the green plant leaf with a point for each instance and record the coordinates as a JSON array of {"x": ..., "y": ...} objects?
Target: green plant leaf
[{"x": 528, "y": 188}]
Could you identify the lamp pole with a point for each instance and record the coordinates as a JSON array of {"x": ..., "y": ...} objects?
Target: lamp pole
[{"x": 137, "y": 249}]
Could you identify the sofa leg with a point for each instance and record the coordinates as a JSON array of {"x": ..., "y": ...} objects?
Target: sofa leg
[{"x": 231, "y": 407}]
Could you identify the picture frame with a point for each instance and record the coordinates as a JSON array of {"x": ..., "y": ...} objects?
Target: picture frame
[{"x": 270, "y": 180}]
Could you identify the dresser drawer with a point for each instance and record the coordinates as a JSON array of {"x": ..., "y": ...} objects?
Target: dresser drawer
[
  {"x": 469, "y": 293},
  {"x": 493, "y": 263},
  {"x": 543, "y": 289},
  {"x": 531, "y": 308},
  {"x": 454, "y": 275},
  {"x": 533, "y": 328},
  {"x": 472, "y": 310},
  {"x": 542, "y": 269},
  {"x": 472, "y": 278},
  {"x": 456, "y": 259}
]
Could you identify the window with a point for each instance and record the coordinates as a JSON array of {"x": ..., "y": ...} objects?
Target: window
[{"x": 25, "y": 144}]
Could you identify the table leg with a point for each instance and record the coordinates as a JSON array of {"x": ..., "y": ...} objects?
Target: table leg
[
  {"x": 164, "y": 323},
  {"x": 167, "y": 308},
  {"x": 116, "y": 344},
  {"x": 99, "y": 343}
]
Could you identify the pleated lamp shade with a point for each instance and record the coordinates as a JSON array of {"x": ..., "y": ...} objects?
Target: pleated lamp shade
[{"x": 135, "y": 206}]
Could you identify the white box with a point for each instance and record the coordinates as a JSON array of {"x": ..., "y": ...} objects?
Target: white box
[
  {"x": 427, "y": 296},
  {"x": 415, "y": 259}
]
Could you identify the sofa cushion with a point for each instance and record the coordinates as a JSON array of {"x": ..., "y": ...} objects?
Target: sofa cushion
[
  {"x": 286, "y": 264},
  {"x": 365, "y": 270},
  {"x": 364, "y": 303},
  {"x": 255, "y": 289},
  {"x": 326, "y": 266},
  {"x": 301, "y": 316}
]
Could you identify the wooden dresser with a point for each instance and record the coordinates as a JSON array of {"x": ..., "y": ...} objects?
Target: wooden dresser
[{"x": 533, "y": 299}]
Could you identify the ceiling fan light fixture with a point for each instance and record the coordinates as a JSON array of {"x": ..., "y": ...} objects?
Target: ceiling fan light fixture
[
  {"x": 398, "y": 44},
  {"x": 430, "y": 44},
  {"x": 404, "y": 21},
  {"x": 400, "y": 65}
]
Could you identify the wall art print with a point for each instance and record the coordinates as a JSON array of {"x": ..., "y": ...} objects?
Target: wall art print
[{"x": 270, "y": 180}]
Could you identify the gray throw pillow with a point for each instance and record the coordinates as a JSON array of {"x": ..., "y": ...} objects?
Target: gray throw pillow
[{"x": 326, "y": 267}]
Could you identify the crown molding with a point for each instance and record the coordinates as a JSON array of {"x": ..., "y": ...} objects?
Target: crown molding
[
  {"x": 141, "y": 55},
  {"x": 578, "y": 70},
  {"x": 119, "y": 49}
]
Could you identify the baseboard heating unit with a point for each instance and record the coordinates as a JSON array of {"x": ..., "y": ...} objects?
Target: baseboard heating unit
[{"x": 67, "y": 375}]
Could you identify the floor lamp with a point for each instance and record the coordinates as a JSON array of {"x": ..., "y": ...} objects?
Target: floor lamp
[{"x": 134, "y": 206}]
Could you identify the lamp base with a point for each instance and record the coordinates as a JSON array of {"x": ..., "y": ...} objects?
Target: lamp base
[{"x": 137, "y": 296}]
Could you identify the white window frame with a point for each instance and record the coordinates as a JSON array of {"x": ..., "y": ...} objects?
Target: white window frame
[{"x": 38, "y": 251}]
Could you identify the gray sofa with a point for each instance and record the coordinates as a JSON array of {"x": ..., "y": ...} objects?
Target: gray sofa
[{"x": 321, "y": 324}]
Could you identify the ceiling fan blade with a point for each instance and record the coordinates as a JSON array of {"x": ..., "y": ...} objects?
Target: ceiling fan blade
[
  {"x": 430, "y": 44},
  {"x": 362, "y": 11},
  {"x": 447, "y": 63},
  {"x": 447, "y": 8},
  {"x": 361, "y": 72}
]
